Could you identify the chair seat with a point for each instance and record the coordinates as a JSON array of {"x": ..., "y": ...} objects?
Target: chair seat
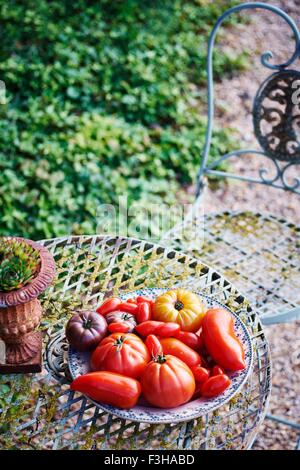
[{"x": 258, "y": 253}]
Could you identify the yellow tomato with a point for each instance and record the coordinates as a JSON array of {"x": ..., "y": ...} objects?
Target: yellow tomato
[{"x": 180, "y": 306}]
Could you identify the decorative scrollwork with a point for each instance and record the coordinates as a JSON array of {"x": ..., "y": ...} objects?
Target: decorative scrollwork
[
  {"x": 268, "y": 176},
  {"x": 56, "y": 357},
  {"x": 275, "y": 173},
  {"x": 295, "y": 182},
  {"x": 276, "y": 116},
  {"x": 266, "y": 58},
  {"x": 279, "y": 177}
]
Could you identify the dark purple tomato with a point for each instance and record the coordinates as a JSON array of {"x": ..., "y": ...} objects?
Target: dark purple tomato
[{"x": 85, "y": 330}]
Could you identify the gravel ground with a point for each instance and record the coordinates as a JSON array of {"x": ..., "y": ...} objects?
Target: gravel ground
[{"x": 234, "y": 104}]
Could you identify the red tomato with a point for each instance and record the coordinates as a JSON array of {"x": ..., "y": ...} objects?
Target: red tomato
[
  {"x": 210, "y": 363},
  {"x": 158, "y": 328},
  {"x": 119, "y": 317},
  {"x": 220, "y": 339},
  {"x": 153, "y": 345},
  {"x": 148, "y": 327},
  {"x": 129, "y": 307},
  {"x": 141, "y": 298},
  {"x": 143, "y": 312},
  {"x": 131, "y": 301},
  {"x": 168, "y": 329},
  {"x": 167, "y": 382},
  {"x": 201, "y": 347},
  {"x": 182, "y": 351},
  {"x": 201, "y": 374},
  {"x": 204, "y": 362},
  {"x": 108, "y": 387},
  {"x": 109, "y": 305},
  {"x": 188, "y": 338},
  {"x": 124, "y": 353},
  {"x": 215, "y": 385},
  {"x": 119, "y": 327},
  {"x": 197, "y": 392},
  {"x": 217, "y": 370}
]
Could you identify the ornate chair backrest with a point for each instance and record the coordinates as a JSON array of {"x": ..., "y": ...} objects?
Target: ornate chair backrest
[{"x": 276, "y": 115}]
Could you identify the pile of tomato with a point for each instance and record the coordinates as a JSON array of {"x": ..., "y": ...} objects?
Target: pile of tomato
[{"x": 170, "y": 349}]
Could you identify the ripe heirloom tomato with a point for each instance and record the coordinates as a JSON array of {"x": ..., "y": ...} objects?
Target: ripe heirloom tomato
[
  {"x": 108, "y": 387},
  {"x": 176, "y": 348},
  {"x": 158, "y": 328},
  {"x": 220, "y": 339},
  {"x": 119, "y": 327},
  {"x": 129, "y": 307},
  {"x": 124, "y": 353},
  {"x": 85, "y": 330},
  {"x": 217, "y": 370},
  {"x": 188, "y": 338},
  {"x": 109, "y": 305},
  {"x": 168, "y": 329},
  {"x": 201, "y": 347},
  {"x": 201, "y": 374},
  {"x": 167, "y": 382},
  {"x": 153, "y": 345},
  {"x": 141, "y": 298},
  {"x": 180, "y": 306},
  {"x": 120, "y": 317},
  {"x": 197, "y": 392},
  {"x": 143, "y": 312},
  {"x": 149, "y": 327},
  {"x": 215, "y": 385}
]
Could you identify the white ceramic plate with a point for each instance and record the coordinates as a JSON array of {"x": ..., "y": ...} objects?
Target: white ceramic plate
[{"x": 145, "y": 413}]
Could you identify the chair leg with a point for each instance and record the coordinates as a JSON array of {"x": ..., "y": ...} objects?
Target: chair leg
[
  {"x": 278, "y": 419},
  {"x": 289, "y": 315},
  {"x": 287, "y": 422}
]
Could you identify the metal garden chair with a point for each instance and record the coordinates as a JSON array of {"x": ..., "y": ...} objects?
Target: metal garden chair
[{"x": 259, "y": 253}]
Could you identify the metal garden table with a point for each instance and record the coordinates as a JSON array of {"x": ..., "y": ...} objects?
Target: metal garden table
[{"x": 39, "y": 411}]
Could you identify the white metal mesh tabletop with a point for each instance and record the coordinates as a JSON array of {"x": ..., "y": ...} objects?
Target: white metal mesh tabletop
[{"x": 39, "y": 411}]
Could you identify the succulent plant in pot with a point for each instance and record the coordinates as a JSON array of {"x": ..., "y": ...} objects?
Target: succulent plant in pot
[
  {"x": 26, "y": 270},
  {"x": 19, "y": 264}
]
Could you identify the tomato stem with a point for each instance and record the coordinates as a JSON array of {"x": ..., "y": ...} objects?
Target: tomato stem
[
  {"x": 119, "y": 342},
  {"x": 127, "y": 316},
  {"x": 160, "y": 358},
  {"x": 87, "y": 323},
  {"x": 178, "y": 305}
]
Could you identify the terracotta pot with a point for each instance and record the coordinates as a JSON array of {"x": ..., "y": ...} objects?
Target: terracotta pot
[{"x": 20, "y": 312}]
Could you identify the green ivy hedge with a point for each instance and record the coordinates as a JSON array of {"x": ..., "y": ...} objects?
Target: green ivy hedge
[{"x": 103, "y": 99}]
